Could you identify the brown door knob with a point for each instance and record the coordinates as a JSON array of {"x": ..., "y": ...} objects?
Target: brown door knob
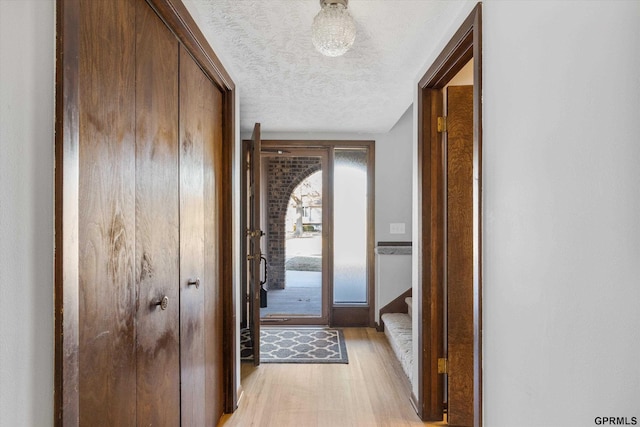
[{"x": 163, "y": 303}]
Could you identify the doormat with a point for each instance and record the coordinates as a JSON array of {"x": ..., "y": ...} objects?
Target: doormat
[
  {"x": 246, "y": 346},
  {"x": 299, "y": 345}
]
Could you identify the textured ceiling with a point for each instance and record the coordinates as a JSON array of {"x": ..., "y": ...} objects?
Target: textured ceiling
[{"x": 287, "y": 86}]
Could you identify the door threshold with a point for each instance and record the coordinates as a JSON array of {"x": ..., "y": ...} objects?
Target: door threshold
[
  {"x": 294, "y": 321},
  {"x": 274, "y": 319}
]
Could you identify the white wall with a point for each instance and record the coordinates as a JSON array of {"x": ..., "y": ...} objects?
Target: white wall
[
  {"x": 561, "y": 215},
  {"x": 27, "y": 46},
  {"x": 393, "y": 180},
  {"x": 393, "y": 205},
  {"x": 393, "y": 277},
  {"x": 561, "y": 212}
]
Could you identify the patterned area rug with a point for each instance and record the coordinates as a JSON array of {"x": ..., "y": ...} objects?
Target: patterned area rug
[
  {"x": 246, "y": 346},
  {"x": 298, "y": 345}
]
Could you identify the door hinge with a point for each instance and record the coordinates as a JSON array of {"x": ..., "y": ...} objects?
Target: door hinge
[
  {"x": 442, "y": 124},
  {"x": 443, "y": 365}
]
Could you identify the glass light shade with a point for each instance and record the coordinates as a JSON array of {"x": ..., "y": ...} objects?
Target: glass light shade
[{"x": 333, "y": 31}]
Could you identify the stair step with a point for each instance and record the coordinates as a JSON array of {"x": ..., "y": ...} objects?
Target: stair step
[
  {"x": 397, "y": 328},
  {"x": 409, "y": 302}
]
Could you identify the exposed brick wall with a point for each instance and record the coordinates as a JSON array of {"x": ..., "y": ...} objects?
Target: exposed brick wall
[{"x": 284, "y": 174}]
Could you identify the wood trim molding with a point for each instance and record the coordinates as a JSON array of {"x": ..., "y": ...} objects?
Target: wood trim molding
[
  {"x": 228, "y": 251},
  {"x": 371, "y": 231},
  {"x": 66, "y": 283},
  {"x": 477, "y": 217},
  {"x": 428, "y": 302},
  {"x": 465, "y": 44},
  {"x": 177, "y": 17},
  {"x": 454, "y": 56}
]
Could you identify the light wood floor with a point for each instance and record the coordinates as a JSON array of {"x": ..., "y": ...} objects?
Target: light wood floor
[{"x": 371, "y": 390}]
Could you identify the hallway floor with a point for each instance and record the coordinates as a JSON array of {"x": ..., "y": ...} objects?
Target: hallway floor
[{"x": 372, "y": 390}]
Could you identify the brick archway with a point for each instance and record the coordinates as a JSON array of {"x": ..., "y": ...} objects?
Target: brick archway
[{"x": 284, "y": 174}]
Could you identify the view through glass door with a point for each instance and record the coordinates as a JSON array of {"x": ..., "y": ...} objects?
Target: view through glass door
[
  {"x": 317, "y": 213},
  {"x": 294, "y": 186}
]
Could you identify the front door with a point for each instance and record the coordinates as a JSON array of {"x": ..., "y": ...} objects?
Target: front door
[
  {"x": 318, "y": 215},
  {"x": 295, "y": 202}
]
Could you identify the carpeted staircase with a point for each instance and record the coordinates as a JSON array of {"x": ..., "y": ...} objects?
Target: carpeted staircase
[{"x": 397, "y": 328}]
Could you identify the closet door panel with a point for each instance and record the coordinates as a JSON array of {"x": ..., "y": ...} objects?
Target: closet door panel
[
  {"x": 157, "y": 221},
  {"x": 106, "y": 214},
  {"x": 193, "y": 133},
  {"x": 213, "y": 292}
]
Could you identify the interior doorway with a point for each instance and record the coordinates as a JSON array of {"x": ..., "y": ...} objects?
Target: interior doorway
[{"x": 449, "y": 270}]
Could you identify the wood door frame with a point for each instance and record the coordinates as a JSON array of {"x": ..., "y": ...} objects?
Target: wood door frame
[
  {"x": 465, "y": 44},
  {"x": 345, "y": 314},
  {"x": 66, "y": 269}
]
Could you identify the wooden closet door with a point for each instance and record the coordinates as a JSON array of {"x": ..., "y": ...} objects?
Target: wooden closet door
[
  {"x": 192, "y": 278},
  {"x": 201, "y": 299},
  {"x": 140, "y": 199},
  {"x": 105, "y": 298},
  {"x": 157, "y": 221}
]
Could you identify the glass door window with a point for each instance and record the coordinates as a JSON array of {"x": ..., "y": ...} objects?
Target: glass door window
[
  {"x": 350, "y": 227},
  {"x": 294, "y": 211},
  {"x": 317, "y": 204}
]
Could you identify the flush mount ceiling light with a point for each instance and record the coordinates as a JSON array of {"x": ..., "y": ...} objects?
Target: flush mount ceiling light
[{"x": 333, "y": 31}]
